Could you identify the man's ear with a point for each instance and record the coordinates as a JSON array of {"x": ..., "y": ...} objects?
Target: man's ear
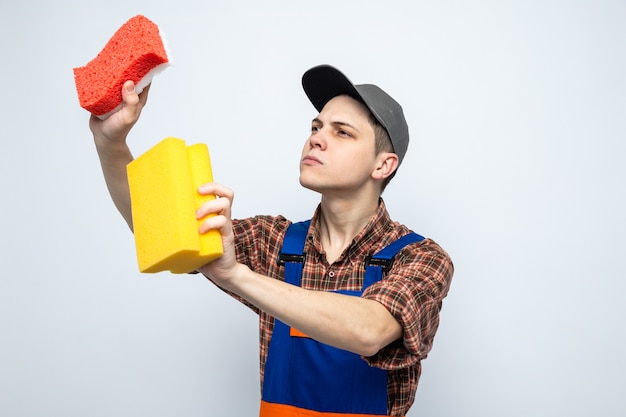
[{"x": 386, "y": 164}]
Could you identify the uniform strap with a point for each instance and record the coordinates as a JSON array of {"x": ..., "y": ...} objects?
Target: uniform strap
[
  {"x": 382, "y": 261},
  {"x": 385, "y": 256},
  {"x": 293, "y": 243},
  {"x": 292, "y": 253}
]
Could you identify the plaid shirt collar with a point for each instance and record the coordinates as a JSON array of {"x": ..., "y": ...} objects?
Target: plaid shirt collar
[{"x": 372, "y": 238}]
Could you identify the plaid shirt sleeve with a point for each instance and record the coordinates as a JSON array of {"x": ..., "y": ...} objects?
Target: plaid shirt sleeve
[
  {"x": 413, "y": 291},
  {"x": 258, "y": 241}
]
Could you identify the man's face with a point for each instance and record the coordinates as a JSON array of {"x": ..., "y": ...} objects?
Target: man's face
[{"x": 339, "y": 155}]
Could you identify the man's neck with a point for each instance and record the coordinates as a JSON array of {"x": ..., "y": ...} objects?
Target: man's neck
[{"x": 341, "y": 220}]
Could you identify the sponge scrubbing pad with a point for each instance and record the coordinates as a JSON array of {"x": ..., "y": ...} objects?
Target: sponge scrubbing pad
[
  {"x": 136, "y": 52},
  {"x": 163, "y": 188}
]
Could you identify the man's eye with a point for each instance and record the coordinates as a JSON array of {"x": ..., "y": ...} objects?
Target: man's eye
[{"x": 314, "y": 128}]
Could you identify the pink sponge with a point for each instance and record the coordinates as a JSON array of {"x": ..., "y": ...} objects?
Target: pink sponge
[{"x": 136, "y": 52}]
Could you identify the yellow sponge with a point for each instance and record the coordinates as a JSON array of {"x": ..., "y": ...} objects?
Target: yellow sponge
[{"x": 163, "y": 189}]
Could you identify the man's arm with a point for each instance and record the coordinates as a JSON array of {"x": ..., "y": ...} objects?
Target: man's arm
[
  {"x": 355, "y": 324},
  {"x": 110, "y": 138}
]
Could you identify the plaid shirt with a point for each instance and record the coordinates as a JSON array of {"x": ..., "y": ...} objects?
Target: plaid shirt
[{"x": 412, "y": 290}]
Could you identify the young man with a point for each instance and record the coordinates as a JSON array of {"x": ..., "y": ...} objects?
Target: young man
[{"x": 340, "y": 333}]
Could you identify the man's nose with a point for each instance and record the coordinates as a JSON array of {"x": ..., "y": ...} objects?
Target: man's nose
[{"x": 319, "y": 139}]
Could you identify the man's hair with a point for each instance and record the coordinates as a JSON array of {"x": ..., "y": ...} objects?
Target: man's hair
[{"x": 382, "y": 143}]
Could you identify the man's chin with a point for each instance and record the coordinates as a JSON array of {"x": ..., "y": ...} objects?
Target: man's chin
[{"x": 309, "y": 185}]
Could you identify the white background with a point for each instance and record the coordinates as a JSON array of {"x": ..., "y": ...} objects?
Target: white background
[{"x": 517, "y": 113}]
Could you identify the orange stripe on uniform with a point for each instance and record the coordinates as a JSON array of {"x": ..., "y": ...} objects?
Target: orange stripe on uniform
[
  {"x": 293, "y": 332},
  {"x": 282, "y": 410}
]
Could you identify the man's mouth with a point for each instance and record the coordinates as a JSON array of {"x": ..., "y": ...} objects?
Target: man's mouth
[{"x": 311, "y": 160}]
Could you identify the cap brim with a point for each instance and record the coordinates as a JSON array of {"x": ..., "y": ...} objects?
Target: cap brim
[{"x": 324, "y": 82}]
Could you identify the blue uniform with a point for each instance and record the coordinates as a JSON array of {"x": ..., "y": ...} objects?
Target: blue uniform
[{"x": 306, "y": 378}]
